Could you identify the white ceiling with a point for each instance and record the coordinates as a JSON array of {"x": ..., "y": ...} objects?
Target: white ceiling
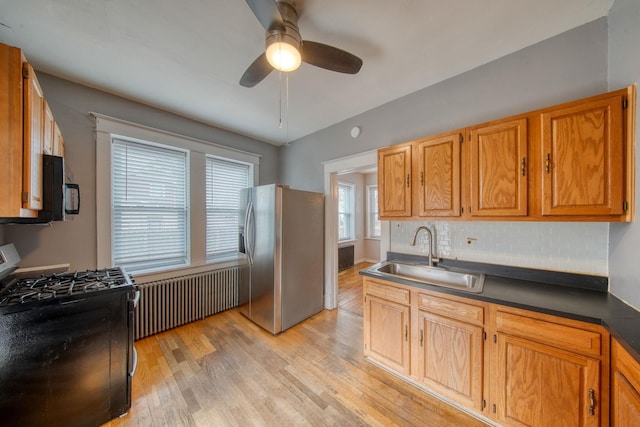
[{"x": 187, "y": 56}]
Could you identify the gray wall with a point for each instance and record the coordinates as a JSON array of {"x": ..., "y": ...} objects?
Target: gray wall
[
  {"x": 570, "y": 66},
  {"x": 624, "y": 68},
  {"x": 74, "y": 241}
]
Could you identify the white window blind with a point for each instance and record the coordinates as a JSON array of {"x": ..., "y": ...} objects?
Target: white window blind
[
  {"x": 373, "y": 223},
  {"x": 345, "y": 212},
  {"x": 225, "y": 179},
  {"x": 150, "y": 225}
]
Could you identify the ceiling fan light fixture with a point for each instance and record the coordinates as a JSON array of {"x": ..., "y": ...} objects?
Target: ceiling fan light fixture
[{"x": 283, "y": 52}]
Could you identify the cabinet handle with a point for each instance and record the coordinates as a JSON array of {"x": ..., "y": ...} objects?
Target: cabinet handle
[
  {"x": 421, "y": 337},
  {"x": 523, "y": 166},
  {"x": 422, "y": 178},
  {"x": 408, "y": 180},
  {"x": 547, "y": 163},
  {"x": 406, "y": 332},
  {"x": 592, "y": 402}
]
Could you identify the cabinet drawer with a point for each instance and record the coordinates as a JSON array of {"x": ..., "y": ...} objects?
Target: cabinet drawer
[
  {"x": 390, "y": 293},
  {"x": 554, "y": 334},
  {"x": 453, "y": 309}
]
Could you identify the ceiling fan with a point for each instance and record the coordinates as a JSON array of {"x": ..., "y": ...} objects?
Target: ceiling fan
[{"x": 285, "y": 49}]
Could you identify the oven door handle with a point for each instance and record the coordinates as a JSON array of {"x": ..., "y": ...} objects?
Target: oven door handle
[{"x": 135, "y": 362}]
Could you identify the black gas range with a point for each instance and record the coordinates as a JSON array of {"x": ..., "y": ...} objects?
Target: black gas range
[{"x": 66, "y": 347}]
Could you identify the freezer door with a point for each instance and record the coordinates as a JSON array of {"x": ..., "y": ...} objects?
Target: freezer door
[
  {"x": 264, "y": 293},
  {"x": 302, "y": 255},
  {"x": 244, "y": 270}
]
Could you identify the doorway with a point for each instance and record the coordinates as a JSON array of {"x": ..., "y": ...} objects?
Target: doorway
[{"x": 332, "y": 168}]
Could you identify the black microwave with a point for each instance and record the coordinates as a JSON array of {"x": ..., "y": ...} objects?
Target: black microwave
[{"x": 58, "y": 198}]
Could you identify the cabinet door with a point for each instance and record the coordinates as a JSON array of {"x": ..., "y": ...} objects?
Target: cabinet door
[
  {"x": 58, "y": 141},
  {"x": 394, "y": 181},
  {"x": 48, "y": 134},
  {"x": 539, "y": 385},
  {"x": 438, "y": 169},
  {"x": 451, "y": 358},
  {"x": 33, "y": 140},
  {"x": 625, "y": 388},
  {"x": 386, "y": 333},
  {"x": 499, "y": 169},
  {"x": 582, "y": 150}
]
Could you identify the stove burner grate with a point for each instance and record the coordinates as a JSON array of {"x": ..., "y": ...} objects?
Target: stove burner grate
[{"x": 62, "y": 284}]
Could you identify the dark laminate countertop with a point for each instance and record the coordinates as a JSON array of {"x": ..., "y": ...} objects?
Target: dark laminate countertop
[{"x": 588, "y": 305}]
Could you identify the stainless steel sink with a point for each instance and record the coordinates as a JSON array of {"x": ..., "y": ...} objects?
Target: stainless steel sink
[{"x": 438, "y": 276}]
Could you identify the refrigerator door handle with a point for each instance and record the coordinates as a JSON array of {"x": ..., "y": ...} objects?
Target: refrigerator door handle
[
  {"x": 249, "y": 235},
  {"x": 245, "y": 226}
]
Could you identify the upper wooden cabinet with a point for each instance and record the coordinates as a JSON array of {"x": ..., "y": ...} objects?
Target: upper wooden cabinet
[
  {"x": 499, "y": 169},
  {"x": 27, "y": 130},
  {"x": 437, "y": 171},
  {"x": 36, "y": 128},
  {"x": 394, "y": 181},
  {"x": 583, "y": 158},
  {"x": 11, "y": 141},
  {"x": 570, "y": 162}
]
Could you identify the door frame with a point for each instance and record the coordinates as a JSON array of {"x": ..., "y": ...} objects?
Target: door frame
[{"x": 332, "y": 168}]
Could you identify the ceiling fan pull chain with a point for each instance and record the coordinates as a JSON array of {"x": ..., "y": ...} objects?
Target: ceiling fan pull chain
[
  {"x": 280, "y": 99},
  {"x": 287, "y": 103}
]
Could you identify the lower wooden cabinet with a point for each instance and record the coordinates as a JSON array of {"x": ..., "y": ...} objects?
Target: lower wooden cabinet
[
  {"x": 516, "y": 367},
  {"x": 450, "y": 358},
  {"x": 386, "y": 333},
  {"x": 540, "y": 385},
  {"x": 625, "y": 388}
]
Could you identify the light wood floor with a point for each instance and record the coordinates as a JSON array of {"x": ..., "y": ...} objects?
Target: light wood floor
[{"x": 226, "y": 371}]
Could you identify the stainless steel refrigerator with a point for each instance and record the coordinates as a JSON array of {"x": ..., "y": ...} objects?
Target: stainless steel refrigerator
[{"x": 282, "y": 241}]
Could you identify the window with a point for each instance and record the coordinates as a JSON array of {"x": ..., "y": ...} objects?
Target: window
[
  {"x": 345, "y": 211},
  {"x": 164, "y": 202},
  {"x": 150, "y": 225},
  {"x": 225, "y": 179},
  {"x": 373, "y": 223}
]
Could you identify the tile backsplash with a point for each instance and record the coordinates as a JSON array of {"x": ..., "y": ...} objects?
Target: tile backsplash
[{"x": 576, "y": 247}]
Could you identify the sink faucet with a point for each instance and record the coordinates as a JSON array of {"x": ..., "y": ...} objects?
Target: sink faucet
[{"x": 431, "y": 242}]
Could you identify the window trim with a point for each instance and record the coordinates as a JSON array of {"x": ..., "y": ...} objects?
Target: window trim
[
  {"x": 368, "y": 233},
  {"x": 106, "y": 128},
  {"x": 352, "y": 236}
]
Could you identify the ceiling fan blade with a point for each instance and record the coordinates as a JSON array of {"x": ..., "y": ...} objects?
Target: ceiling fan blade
[
  {"x": 267, "y": 13},
  {"x": 257, "y": 71},
  {"x": 330, "y": 58}
]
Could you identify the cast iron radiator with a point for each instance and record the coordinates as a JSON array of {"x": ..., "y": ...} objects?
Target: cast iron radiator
[
  {"x": 165, "y": 304},
  {"x": 345, "y": 257}
]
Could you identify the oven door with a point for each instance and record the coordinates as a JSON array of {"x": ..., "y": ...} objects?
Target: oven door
[{"x": 66, "y": 364}]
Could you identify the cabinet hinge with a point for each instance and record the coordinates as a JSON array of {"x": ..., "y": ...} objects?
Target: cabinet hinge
[
  {"x": 625, "y": 104},
  {"x": 625, "y": 206},
  {"x": 25, "y": 71},
  {"x": 461, "y": 139},
  {"x": 25, "y": 196}
]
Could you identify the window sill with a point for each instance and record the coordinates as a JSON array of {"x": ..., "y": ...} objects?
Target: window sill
[
  {"x": 185, "y": 271},
  {"x": 346, "y": 242}
]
